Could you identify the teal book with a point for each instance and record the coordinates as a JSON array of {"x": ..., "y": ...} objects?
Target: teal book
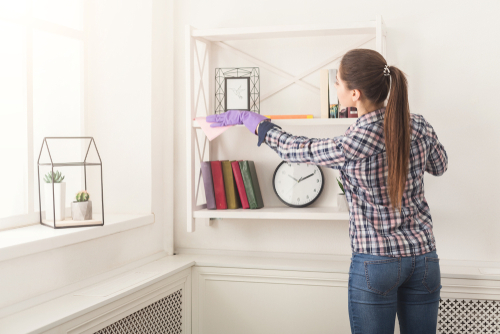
[{"x": 252, "y": 188}]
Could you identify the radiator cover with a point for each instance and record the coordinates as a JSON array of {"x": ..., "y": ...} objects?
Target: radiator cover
[
  {"x": 163, "y": 316},
  {"x": 468, "y": 316},
  {"x": 454, "y": 316}
]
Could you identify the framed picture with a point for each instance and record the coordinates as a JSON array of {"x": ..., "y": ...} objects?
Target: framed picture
[
  {"x": 237, "y": 88},
  {"x": 237, "y": 93}
]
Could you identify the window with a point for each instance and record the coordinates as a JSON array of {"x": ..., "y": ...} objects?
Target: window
[{"x": 41, "y": 94}]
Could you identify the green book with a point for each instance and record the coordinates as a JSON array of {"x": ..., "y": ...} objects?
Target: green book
[
  {"x": 232, "y": 196},
  {"x": 249, "y": 175}
]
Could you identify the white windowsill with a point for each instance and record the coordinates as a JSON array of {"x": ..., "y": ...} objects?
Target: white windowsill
[{"x": 38, "y": 238}]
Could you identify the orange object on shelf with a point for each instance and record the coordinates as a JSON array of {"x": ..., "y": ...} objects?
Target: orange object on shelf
[{"x": 289, "y": 116}]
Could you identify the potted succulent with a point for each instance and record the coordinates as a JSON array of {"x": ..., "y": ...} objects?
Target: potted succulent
[
  {"x": 58, "y": 196},
  {"x": 341, "y": 198},
  {"x": 81, "y": 209}
]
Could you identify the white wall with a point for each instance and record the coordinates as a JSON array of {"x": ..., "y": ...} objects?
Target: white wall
[
  {"x": 447, "y": 49},
  {"x": 123, "y": 116},
  {"x": 119, "y": 101}
]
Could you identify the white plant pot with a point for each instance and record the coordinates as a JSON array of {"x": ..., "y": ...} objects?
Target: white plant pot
[
  {"x": 81, "y": 210},
  {"x": 342, "y": 202},
  {"x": 60, "y": 201}
]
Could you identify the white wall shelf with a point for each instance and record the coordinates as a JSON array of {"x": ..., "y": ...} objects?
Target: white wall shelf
[
  {"x": 307, "y": 213},
  {"x": 198, "y": 62}
]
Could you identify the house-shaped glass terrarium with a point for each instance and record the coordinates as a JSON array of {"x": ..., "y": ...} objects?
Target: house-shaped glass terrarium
[{"x": 69, "y": 181}]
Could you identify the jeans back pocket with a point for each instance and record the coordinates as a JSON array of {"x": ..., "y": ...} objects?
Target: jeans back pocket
[
  {"x": 383, "y": 275},
  {"x": 432, "y": 274}
]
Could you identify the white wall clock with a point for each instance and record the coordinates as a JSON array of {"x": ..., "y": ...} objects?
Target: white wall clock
[{"x": 298, "y": 184}]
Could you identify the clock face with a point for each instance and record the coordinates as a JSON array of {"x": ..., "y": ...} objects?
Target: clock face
[{"x": 297, "y": 184}]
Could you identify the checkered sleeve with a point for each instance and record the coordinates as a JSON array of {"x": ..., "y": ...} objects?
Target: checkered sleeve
[
  {"x": 437, "y": 160},
  {"x": 326, "y": 152}
]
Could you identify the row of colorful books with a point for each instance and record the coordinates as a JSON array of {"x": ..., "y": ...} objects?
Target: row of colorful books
[
  {"x": 231, "y": 184},
  {"x": 330, "y": 106}
]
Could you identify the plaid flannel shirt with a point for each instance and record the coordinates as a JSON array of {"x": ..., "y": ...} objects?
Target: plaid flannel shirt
[{"x": 359, "y": 155}]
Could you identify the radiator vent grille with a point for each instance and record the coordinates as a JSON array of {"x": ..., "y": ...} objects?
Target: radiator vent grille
[
  {"x": 468, "y": 316},
  {"x": 163, "y": 316}
]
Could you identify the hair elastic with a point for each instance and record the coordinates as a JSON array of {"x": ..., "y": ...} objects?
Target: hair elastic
[{"x": 387, "y": 71}]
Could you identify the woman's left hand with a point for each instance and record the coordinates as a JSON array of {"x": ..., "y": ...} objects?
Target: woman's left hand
[{"x": 232, "y": 117}]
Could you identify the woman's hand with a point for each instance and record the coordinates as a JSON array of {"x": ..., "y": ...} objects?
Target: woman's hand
[{"x": 232, "y": 117}]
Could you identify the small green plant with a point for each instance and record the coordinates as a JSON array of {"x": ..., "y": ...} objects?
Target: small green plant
[
  {"x": 56, "y": 177},
  {"x": 82, "y": 196},
  {"x": 341, "y": 186}
]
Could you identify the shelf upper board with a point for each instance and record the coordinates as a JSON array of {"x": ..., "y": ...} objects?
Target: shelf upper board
[
  {"x": 340, "y": 28},
  {"x": 304, "y": 121},
  {"x": 307, "y": 213}
]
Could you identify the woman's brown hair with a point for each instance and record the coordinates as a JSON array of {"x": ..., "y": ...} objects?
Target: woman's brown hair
[{"x": 363, "y": 69}]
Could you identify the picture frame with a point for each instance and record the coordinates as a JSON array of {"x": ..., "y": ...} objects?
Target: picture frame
[
  {"x": 237, "y": 88},
  {"x": 237, "y": 93}
]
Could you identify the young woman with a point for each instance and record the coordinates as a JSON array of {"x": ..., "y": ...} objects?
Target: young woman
[{"x": 381, "y": 158}]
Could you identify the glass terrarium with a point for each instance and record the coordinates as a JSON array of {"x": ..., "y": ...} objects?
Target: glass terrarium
[{"x": 69, "y": 181}]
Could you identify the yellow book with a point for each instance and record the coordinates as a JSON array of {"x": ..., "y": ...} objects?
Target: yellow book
[{"x": 232, "y": 196}]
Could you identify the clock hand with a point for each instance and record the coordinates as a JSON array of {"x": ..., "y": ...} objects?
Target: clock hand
[
  {"x": 297, "y": 181},
  {"x": 292, "y": 187},
  {"x": 302, "y": 179}
]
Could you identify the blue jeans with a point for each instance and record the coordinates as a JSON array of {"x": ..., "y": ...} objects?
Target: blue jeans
[{"x": 382, "y": 286}]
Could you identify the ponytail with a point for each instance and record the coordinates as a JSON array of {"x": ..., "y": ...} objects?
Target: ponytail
[
  {"x": 363, "y": 69},
  {"x": 397, "y": 136}
]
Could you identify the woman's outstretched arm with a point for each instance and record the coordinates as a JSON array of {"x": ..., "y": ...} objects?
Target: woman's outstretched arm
[{"x": 326, "y": 152}]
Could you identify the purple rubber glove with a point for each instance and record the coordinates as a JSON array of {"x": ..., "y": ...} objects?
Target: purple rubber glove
[{"x": 232, "y": 117}]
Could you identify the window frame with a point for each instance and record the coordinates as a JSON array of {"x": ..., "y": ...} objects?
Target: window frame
[{"x": 31, "y": 23}]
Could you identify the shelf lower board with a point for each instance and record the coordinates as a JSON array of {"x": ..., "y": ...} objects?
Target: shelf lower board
[
  {"x": 304, "y": 121},
  {"x": 275, "y": 213}
]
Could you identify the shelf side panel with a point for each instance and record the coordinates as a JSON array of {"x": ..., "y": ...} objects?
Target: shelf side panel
[{"x": 190, "y": 132}]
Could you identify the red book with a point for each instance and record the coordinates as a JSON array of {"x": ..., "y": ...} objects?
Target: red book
[
  {"x": 240, "y": 185},
  {"x": 220, "y": 192}
]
